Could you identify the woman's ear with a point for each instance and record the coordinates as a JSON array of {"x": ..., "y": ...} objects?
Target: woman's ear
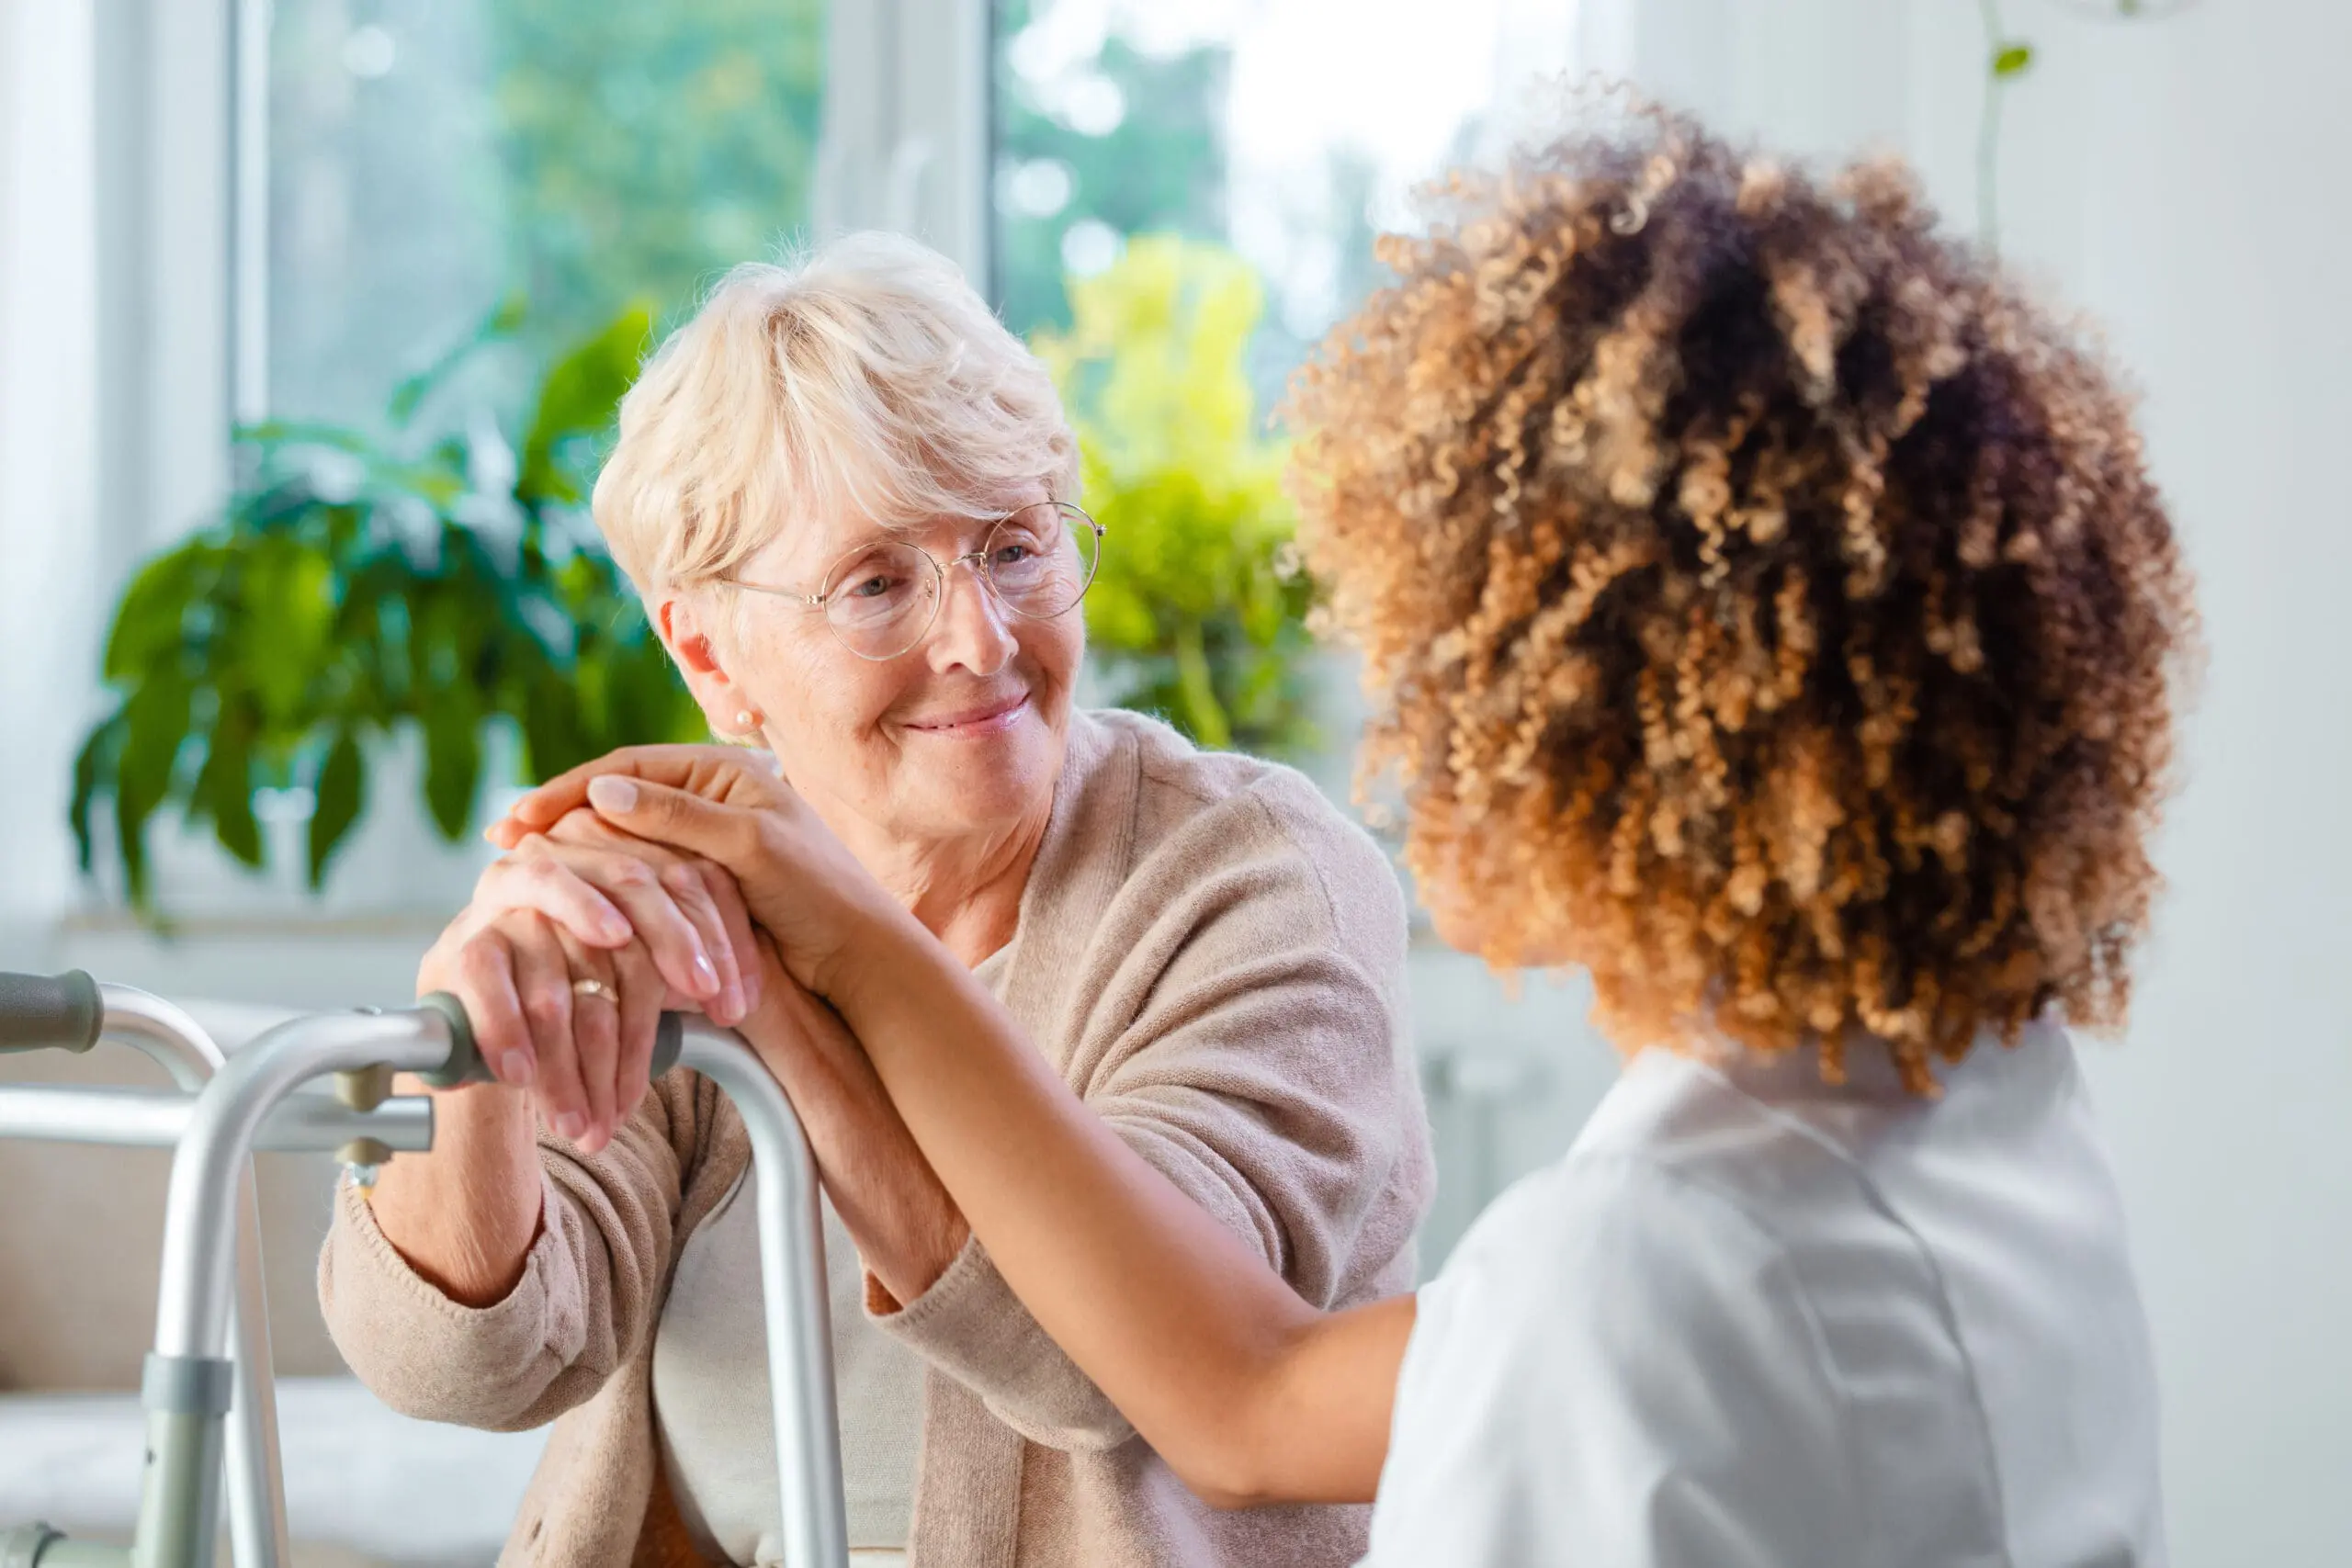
[{"x": 726, "y": 707}]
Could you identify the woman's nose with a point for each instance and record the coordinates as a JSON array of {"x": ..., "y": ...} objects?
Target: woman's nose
[{"x": 972, "y": 629}]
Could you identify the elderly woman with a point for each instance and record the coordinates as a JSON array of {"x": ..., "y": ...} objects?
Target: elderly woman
[
  {"x": 845, "y": 493},
  {"x": 1767, "y": 609}
]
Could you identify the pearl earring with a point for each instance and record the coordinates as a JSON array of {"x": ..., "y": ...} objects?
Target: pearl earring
[{"x": 745, "y": 719}]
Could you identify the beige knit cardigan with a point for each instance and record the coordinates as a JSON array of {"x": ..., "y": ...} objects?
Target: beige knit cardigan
[{"x": 1214, "y": 957}]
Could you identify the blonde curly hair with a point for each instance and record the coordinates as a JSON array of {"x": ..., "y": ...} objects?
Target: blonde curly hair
[{"x": 1764, "y": 605}]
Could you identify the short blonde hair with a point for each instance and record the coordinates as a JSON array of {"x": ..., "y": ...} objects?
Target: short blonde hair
[{"x": 864, "y": 375}]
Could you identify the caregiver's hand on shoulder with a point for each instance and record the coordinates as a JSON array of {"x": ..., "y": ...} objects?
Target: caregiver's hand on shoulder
[
  {"x": 607, "y": 888},
  {"x": 722, "y": 803}
]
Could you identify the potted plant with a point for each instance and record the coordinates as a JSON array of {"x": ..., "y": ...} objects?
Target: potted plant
[
  {"x": 1198, "y": 612},
  {"x": 445, "y": 581}
]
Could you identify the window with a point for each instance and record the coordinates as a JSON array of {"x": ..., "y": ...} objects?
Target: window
[
  {"x": 429, "y": 159},
  {"x": 1287, "y": 130}
]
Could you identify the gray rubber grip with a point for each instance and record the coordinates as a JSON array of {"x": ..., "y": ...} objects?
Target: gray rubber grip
[
  {"x": 53, "y": 1011},
  {"x": 464, "y": 1063}
]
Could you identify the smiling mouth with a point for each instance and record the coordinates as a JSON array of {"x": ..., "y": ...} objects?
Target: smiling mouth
[{"x": 989, "y": 719}]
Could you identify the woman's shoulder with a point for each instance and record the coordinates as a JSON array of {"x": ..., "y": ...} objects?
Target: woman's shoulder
[
  {"x": 1194, "y": 812},
  {"x": 1182, "y": 787}
]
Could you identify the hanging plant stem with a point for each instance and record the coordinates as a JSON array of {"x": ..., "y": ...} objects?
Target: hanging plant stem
[{"x": 2007, "y": 59}]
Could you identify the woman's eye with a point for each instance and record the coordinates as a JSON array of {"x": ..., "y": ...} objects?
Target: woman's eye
[
  {"x": 1014, "y": 554},
  {"x": 872, "y": 587}
]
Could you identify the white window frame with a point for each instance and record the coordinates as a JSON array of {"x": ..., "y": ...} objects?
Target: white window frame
[{"x": 908, "y": 150}]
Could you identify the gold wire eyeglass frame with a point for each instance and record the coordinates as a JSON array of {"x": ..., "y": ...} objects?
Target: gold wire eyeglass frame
[{"x": 1071, "y": 514}]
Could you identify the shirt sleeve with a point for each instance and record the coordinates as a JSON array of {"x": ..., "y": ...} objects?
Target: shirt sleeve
[
  {"x": 1616, "y": 1368},
  {"x": 1246, "y": 1040}
]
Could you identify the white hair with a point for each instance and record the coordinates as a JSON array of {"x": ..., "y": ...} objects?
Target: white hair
[{"x": 865, "y": 376}]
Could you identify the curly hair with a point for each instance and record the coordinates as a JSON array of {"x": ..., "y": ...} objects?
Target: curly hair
[{"x": 1763, "y": 604}]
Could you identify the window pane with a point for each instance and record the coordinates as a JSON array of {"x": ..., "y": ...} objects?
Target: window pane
[
  {"x": 1287, "y": 130},
  {"x": 429, "y": 158}
]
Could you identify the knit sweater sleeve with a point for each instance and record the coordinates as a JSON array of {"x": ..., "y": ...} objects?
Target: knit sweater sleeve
[
  {"x": 1236, "y": 1014},
  {"x": 588, "y": 1294}
]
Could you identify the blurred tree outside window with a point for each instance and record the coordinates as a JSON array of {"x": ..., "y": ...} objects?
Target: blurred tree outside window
[
  {"x": 1166, "y": 176},
  {"x": 430, "y": 157}
]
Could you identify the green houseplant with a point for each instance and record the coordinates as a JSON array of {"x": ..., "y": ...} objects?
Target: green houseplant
[
  {"x": 1198, "y": 612},
  {"x": 445, "y": 581}
]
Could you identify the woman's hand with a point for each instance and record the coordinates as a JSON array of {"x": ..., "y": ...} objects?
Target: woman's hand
[
  {"x": 570, "y": 1024},
  {"x": 465, "y": 1213},
  {"x": 607, "y": 888},
  {"x": 716, "y": 803},
  {"x": 814, "y": 903}
]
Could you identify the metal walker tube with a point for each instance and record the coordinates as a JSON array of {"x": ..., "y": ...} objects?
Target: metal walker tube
[
  {"x": 211, "y": 1354},
  {"x": 39, "y": 1011},
  {"x": 435, "y": 1040},
  {"x": 792, "y": 1279}
]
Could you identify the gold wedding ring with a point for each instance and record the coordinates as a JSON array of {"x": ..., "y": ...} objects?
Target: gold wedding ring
[{"x": 596, "y": 989}]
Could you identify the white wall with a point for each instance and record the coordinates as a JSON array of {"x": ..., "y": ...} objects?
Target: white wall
[
  {"x": 2186, "y": 182},
  {"x": 47, "y": 436}
]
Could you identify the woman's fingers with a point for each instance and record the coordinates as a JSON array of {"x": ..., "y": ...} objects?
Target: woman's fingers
[
  {"x": 720, "y": 773},
  {"x": 593, "y": 893},
  {"x": 596, "y": 1036},
  {"x": 641, "y": 1015},
  {"x": 725, "y": 896},
  {"x": 677, "y": 818},
  {"x": 543, "y": 980},
  {"x": 544, "y": 883},
  {"x": 484, "y": 981},
  {"x": 690, "y": 893}
]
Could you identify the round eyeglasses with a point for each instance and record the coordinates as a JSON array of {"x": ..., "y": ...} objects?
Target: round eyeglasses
[{"x": 881, "y": 599}]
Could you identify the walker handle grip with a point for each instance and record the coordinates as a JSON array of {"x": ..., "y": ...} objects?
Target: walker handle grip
[
  {"x": 465, "y": 1064},
  {"x": 50, "y": 1011}
]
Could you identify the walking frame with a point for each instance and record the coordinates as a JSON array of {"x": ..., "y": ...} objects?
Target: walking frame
[{"x": 207, "y": 1387}]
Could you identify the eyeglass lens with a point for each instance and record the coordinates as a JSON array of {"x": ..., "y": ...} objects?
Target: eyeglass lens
[{"x": 1039, "y": 562}]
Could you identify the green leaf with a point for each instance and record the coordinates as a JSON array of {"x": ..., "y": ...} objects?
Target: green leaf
[
  {"x": 452, "y": 722},
  {"x": 578, "y": 398},
  {"x": 552, "y": 736},
  {"x": 288, "y": 607},
  {"x": 501, "y": 323},
  {"x": 152, "y": 619},
  {"x": 341, "y": 792},
  {"x": 1203, "y": 716},
  {"x": 272, "y": 433},
  {"x": 93, "y": 767},
  {"x": 157, "y": 719},
  {"x": 2012, "y": 59},
  {"x": 224, "y": 787}
]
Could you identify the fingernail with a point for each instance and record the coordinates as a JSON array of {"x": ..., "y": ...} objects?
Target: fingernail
[
  {"x": 614, "y": 927},
  {"x": 571, "y": 1124},
  {"x": 514, "y": 1067},
  {"x": 707, "y": 975},
  {"x": 737, "y": 1007},
  {"x": 608, "y": 793}
]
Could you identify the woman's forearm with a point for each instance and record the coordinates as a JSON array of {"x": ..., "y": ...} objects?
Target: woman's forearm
[
  {"x": 1252, "y": 1395},
  {"x": 907, "y": 1228},
  {"x": 464, "y": 1215}
]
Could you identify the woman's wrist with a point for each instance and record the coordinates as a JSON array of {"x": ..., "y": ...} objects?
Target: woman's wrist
[
  {"x": 881, "y": 942},
  {"x": 464, "y": 1215}
]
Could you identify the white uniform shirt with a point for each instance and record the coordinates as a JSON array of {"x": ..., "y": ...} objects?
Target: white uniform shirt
[{"x": 1751, "y": 1321}]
